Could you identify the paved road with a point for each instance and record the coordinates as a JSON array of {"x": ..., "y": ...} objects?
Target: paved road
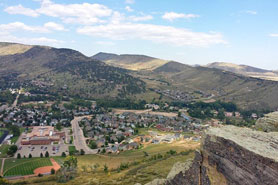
[
  {"x": 79, "y": 140},
  {"x": 15, "y": 101}
]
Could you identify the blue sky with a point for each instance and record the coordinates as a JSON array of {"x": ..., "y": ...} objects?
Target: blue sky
[{"x": 188, "y": 31}]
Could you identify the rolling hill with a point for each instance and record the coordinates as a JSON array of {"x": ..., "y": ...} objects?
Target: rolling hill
[
  {"x": 245, "y": 70},
  {"x": 66, "y": 72},
  {"x": 69, "y": 72},
  {"x": 130, "y": 62},
  {"x": 247, "y": 92}
]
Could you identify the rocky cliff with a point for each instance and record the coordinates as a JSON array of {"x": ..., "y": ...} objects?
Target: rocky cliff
[
  {"x": 269, "y": 123},
  {"x": 233, "y": 156}
]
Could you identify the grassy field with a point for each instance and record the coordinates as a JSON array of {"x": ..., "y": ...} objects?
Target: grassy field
[
  {"x": 141, "y": 168},
  {"x": 72, "y": 149},
  {"x": 4, "y": 149},
  {"x": 18, "y": 167}
]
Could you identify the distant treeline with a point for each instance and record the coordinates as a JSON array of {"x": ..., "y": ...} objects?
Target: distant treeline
[
  {"x": 121, "y": 103},
  {"x": 7, "y": 97}
]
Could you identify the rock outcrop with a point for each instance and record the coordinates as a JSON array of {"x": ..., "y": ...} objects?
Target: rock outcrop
[
  {"x": 233, "y": 156},
  {"x": 269, "y": 123}
]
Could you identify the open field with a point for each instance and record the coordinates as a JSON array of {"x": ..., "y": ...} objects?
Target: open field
[
  {"x": 141, "y": 168},
  {"x": 148, "y": 111},
  {"x": 20, "y": 167}
]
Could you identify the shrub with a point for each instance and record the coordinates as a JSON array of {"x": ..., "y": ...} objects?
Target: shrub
[
  {"x": 52, "y": 171},
  {"x": 64, "y": 154},
  {"x": 30, "y": 156},
  {"x": 46, "y": 154},
  {"x": 18, "y": 156}
]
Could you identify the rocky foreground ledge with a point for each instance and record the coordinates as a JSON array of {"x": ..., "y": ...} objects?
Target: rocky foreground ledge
[{"x": 230, "y": 155}]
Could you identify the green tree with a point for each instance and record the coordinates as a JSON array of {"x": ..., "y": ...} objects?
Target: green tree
[
  {"x": 41, "y": 155},
  {"x": 46, "y": 154},
  {"x": 93, "y": 145},
  {"x": 59, "y": 126},
  {"x": 64, "y": 154},
  {"x": 82, "y": 152},
  {"x": 12, "y": 150},
  {"x": 105, "y": 168},
  {"x": 30, "y": 156},
  {"x": 18, "y": 156},
  {"x": 52, "y": 171}
]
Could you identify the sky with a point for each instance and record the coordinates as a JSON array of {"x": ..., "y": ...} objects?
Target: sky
[{"x": 187, "y": 31}]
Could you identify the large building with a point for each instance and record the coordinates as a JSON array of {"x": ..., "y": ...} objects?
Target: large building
[{"x": 42, "y": 135}]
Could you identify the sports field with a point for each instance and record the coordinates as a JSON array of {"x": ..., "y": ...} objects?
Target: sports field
[{"x": 21, "y": 167}]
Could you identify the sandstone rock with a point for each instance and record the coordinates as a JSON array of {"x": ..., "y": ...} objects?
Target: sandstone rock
[
  {"x": 269, "y": 123},
  {"x": 233, "y": 156}
]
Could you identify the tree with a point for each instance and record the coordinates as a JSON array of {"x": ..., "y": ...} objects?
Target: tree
[
  {"x": 18, "y": 156},
  {"x": 82, "y": 152},
  {"x": 70, "y": 161},
  {"x": 30, "y": 156},
  {"x": 59, "y": 126},
  {"x": 41, "y": 155},
  {"x": 46, "y": 154},
  {"x": 68, "y": 170},
  {"x": 145, "y": 154},
  {"x": 93, "y": 145},
  {"x": 64, "y": 154},
  {"x": 12, "y": 150},
  {"x": 52, "y": 171},
  {"x": 105, "y": 168}
]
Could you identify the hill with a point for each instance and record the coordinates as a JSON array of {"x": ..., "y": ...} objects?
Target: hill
[
  {"x": 66, "y": 71},
  {"x": 11, "y": 48},
  {"x": 245, "y": 70},
  {"x": 247, "y": 92},
  {"x": 130, "y": 62}
]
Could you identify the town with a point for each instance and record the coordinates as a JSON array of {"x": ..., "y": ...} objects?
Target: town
[{"x": 40, "y": 127}]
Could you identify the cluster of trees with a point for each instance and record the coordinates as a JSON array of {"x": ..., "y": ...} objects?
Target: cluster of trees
[
  {"x": 23, "y": 98},
  {"x": 68, "y": 170},
  {"x": 203, "y": 110},
  {"x": 12, "y": 150},
  {"x": 7, "y": 97},
  {"x": 77, "y": 102},
  {"x": 121, "y": 103}
]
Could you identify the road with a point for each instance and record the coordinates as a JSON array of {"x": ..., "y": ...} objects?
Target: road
[
  {"x": 79, "y": 140},
  {"x": 15, "y": 101}
]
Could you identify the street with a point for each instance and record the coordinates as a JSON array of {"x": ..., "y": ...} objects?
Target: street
[{"x": 79, "y": 140}]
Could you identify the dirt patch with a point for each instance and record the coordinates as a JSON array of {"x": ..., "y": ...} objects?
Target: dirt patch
[{"x": 47, "y": 169}]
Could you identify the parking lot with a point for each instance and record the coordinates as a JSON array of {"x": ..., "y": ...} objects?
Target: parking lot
[{"x": 36, "y": 150}]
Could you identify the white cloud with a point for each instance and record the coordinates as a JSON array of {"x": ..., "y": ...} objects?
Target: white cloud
[
  {"x": 140, "y": 18},
  {"x": 155, "y": 33},
  {"x": 273, "y": 35},
  {"x": 7, "y": 37},
  {"x": 19, "y": 26},
  {"x": 171, "y": 16},
  {"x": 127, "y": 8},
  {"x": 19, "y": 9},
  {"x": 252, "y": 12},
  {"x": 105, "y": 43},
  {"x": 129, "y": 1},
  {"x": 54, "y": 26},
  {"x": 84, "y": 13}
]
